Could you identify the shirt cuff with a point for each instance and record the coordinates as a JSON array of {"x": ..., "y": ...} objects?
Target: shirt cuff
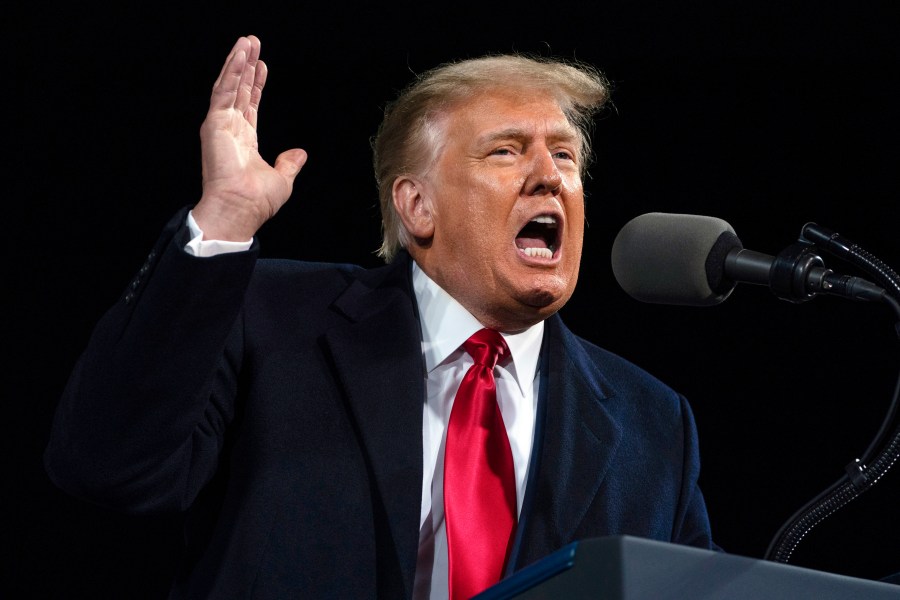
[{"x": 197, "y": 246}]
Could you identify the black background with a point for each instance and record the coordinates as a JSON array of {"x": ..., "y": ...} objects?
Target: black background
[{"x": 765, "y": 114}]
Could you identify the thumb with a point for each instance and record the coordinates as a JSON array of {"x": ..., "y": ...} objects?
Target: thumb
[{"x": 289, "y": 162}]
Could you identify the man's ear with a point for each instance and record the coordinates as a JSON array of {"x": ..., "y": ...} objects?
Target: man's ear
[{"x": 413, "y": 207}]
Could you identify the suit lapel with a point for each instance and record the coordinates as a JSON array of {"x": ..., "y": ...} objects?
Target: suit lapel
[
  {"x": 579, "y": 439},
  {"x": 378, "y": 360}
]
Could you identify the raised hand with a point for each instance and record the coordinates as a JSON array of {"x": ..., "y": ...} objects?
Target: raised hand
[{"x": 241, "y": 191}]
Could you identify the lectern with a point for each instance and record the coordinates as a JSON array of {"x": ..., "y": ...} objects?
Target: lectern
[{"x": 630, "y": 568}]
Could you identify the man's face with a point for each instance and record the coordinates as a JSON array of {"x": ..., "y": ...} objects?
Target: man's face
[{"x": 507, "y": 204}]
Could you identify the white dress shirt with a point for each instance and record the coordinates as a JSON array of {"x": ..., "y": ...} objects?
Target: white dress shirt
[{"x": 445, "y": 326}]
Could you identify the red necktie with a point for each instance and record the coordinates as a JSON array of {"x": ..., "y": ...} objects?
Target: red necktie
[{"x": 479, "y": 478}]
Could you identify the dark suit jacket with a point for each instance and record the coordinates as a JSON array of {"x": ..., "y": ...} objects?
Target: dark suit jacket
[{"x": 279, "y": 405}]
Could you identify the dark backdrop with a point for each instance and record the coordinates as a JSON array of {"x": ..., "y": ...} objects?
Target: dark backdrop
[{"x": 765, "y": 114}]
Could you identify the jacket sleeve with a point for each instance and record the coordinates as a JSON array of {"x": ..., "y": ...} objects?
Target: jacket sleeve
[
  {"x": 142, "y": 419},
  {"x": 692, "y": 527}
]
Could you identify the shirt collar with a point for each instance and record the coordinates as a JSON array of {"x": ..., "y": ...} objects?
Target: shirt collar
[{"x": 446, "y": 324}]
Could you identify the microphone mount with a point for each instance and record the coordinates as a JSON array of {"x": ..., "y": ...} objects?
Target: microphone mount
[{"x": 798, "y": 274}]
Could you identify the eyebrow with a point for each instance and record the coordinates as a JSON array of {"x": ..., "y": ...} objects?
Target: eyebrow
[{"x": 517, "y": 133}]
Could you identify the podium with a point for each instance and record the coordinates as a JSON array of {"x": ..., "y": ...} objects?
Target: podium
[{"x": 630, "y": 568}]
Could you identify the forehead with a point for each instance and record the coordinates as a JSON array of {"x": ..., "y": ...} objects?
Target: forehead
[{"x": 528, "y": 111}]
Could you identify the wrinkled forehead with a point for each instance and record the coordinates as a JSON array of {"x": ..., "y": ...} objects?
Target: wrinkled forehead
[{"x": 508, "y": 108}]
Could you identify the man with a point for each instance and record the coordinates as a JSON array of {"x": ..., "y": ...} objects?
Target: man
[{"x": 300, "y": 414}]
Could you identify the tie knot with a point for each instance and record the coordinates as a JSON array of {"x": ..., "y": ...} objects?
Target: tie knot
[{"x": 487, "y": 347}]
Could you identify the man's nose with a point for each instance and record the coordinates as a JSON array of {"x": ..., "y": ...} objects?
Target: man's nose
[{"x": 544, "y": 176}]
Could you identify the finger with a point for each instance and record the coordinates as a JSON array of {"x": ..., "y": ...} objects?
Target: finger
[
  {"x": 240, "y": 44},
  {"x": 255, "y": 45},
  {"x": 262, "y": 72},
  {"x": 248, "y": 76},
  {"x": 225, "y": 90},
  {"x": 289, "y": 163}
]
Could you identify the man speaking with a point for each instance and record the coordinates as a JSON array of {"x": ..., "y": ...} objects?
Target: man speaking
[{"x": 420, "y": 430}]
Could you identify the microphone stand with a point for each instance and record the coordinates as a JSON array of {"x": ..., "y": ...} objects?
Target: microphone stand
[{"x": 884, "y": 450}]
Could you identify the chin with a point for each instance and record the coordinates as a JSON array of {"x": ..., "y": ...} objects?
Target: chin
[
  {"x": 541, "y": 299},
  {"x": 549, "y": 294},
  {"x": 538, "y": 305},
  {"x": 529, "y": 303}
]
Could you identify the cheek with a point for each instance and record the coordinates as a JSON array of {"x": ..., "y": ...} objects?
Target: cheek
[
  {"x": 578, "y": 229},
  {"x": 484, "y": 217},
  {"x": 575, "y": 211},
  {"x": 495, "y": 203},
  {"x": 495, "y": 183},
  {"x": 575, "y": 217}
]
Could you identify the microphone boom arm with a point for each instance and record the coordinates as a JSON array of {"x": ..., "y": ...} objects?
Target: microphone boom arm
[{"x": 884, "y": 450}]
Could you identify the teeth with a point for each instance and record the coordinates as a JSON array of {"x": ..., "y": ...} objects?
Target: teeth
[
  {"x": 538, "y": 252},
  {"x": 545, "y": 220}
]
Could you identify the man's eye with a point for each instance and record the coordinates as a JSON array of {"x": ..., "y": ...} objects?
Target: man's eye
[
  {"x": 501, "y": 152},
  {"x": 563, "y": 154}
]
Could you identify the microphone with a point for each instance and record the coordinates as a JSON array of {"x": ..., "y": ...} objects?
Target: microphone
[{"x": 695, "y": 260}]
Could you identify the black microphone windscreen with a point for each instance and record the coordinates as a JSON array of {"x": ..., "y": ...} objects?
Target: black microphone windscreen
[{"x": 666, "y": 258}]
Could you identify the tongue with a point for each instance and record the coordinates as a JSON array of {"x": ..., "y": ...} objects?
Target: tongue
[{"x": 523, "y": 242}]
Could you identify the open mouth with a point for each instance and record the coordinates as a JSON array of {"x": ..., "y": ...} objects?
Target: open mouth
[{"x": 539, "y": 238}]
